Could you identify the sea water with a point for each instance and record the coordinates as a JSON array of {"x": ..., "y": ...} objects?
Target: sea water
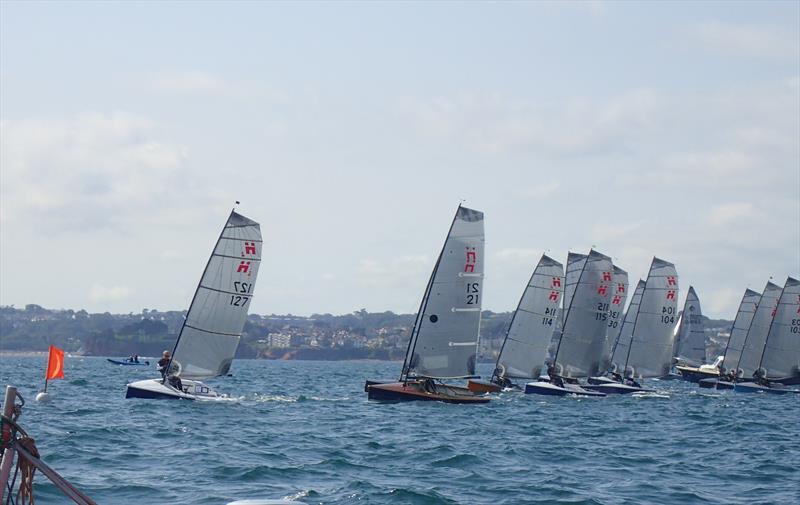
[{"x": 305, "y": 431}]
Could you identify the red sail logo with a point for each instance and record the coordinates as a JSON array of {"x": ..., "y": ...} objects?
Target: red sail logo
[
  {"x": 556, "y": 282},
  {"x": 472, "y": 258},
  {"x": 554, "y": 295},
  {"x": 670, "y": 295},
  {"x": 244, "y": 267}
]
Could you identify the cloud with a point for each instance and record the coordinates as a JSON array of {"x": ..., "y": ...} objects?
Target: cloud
[
  {"x": 518, "y": 255},
  {"x": 102, "y": 294},
  {"x": 392, "y": 272},
  {"x": 726, "y": 214},
  {"x": 85, "y": 172},
  {"x": 611, "y": 231},
  {"x": 492, "y": 123},
  {"x": 199, "y": 82},
  {"x": 541, "y": 191},
  {"x": 747, "y": 40}
]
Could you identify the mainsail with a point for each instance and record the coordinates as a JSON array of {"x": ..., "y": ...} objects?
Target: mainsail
[
  {"x": 582, "y": 343},
  {"x": 615, "y": 314},
  {"x": 212, "y": 328},
  {"x": 757, "y": 333},
  {"x": 525, "y": 346},
  {"x": 690, "y": 346},
  {"x": 444, "y": 340},
  {"x": 781, "y": 358},
  {"x": 733, "y": 351},
  {"x": 620, "y": 350},
  {"x": 650, "y": 352}
]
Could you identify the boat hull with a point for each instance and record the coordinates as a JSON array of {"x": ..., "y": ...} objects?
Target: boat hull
[
  {"x": 693, "y": 374},
  {"x": 550, "y": 389},
  {"x": 417, "y": 391},
  {"x": 481, "y": 386},
  {"x": 617, "y": 388},
  {"x": 128, "y": 363},
  {"x": 715, "y": 383},
  {"x": 154, "y": 389},
  {"x": 753, "y": 387},
  {"x": 601, "y": 380}
]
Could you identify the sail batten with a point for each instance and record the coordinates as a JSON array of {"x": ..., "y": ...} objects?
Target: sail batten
[
  {"x": 529, "y": 333},
  {"x": 215, "y": 320},
  {"x": 444, "y": 341}
]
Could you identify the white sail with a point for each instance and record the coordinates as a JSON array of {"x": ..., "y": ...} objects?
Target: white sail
[
  {"x": 781, "y": 358},
  {"x": 744, "y": 316},
  {"x": 525, "y": 347},
  {"x": 757, "y": 332},
  {"x": 444, "y": 341},
  {"x": 690, "y": 346},
  {"x": 616, "y": 306},
  {"x": 215, "y": 320},
  {"x": 582, "y": 343},
  {"x": 620, "y": 349},
  {"x": 650, "y": 352}
]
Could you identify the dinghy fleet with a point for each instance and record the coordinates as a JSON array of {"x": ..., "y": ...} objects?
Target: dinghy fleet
[{"x": 569, "y": 335}]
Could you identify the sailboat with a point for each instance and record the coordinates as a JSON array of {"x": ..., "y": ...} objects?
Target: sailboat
[
  {"x": 583, "y": 337},
  {"x": 690, "y": 344},
  {"x": 754, "y": 340},
  {"x": 779, "y": 365},
  {"x": 619, "y": 350},
  {"x": 444, "y": 340},
  {"x": 529, "y": 334},
  {"x": 615, "y": 314},
  {"x": 733, "y": 350},
  {"x": 649, "y": 350},
  {"x": 210, "y": 334}
]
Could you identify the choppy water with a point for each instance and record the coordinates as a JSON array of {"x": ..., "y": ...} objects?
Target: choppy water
[{"x": 305, "y": 431}]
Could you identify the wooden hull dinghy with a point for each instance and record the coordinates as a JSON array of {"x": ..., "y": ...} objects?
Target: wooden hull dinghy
[
  {"x": 483, "y": 386},
  {"x": 422, "y": 390},
  {"x": 444, "y": 339}
]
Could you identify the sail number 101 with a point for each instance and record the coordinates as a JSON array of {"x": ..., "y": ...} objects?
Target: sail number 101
[{"x": 241, "y": 287}]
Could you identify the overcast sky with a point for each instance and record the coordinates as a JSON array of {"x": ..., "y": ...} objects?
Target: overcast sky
[{"x": 351, "y": 131}]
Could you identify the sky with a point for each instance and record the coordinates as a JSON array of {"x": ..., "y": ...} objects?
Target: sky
[{"x": 351, "y": 132}]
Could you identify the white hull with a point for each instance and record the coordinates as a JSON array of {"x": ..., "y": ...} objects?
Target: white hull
[{"x": 156, "y": 389}]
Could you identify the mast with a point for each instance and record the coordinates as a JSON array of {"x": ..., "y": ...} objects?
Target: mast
[{"x": 412, "y": 342}]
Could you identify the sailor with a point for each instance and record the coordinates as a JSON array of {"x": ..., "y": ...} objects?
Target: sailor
[
  {"x": 163, "y": 367},
  {"x": 163, "y": 363}
]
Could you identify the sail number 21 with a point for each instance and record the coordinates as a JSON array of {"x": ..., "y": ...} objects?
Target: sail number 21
[{"x": 472, "y": 293}]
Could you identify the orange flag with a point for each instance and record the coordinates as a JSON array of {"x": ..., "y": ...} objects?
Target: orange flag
[{"x": 55, "y": 364}]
